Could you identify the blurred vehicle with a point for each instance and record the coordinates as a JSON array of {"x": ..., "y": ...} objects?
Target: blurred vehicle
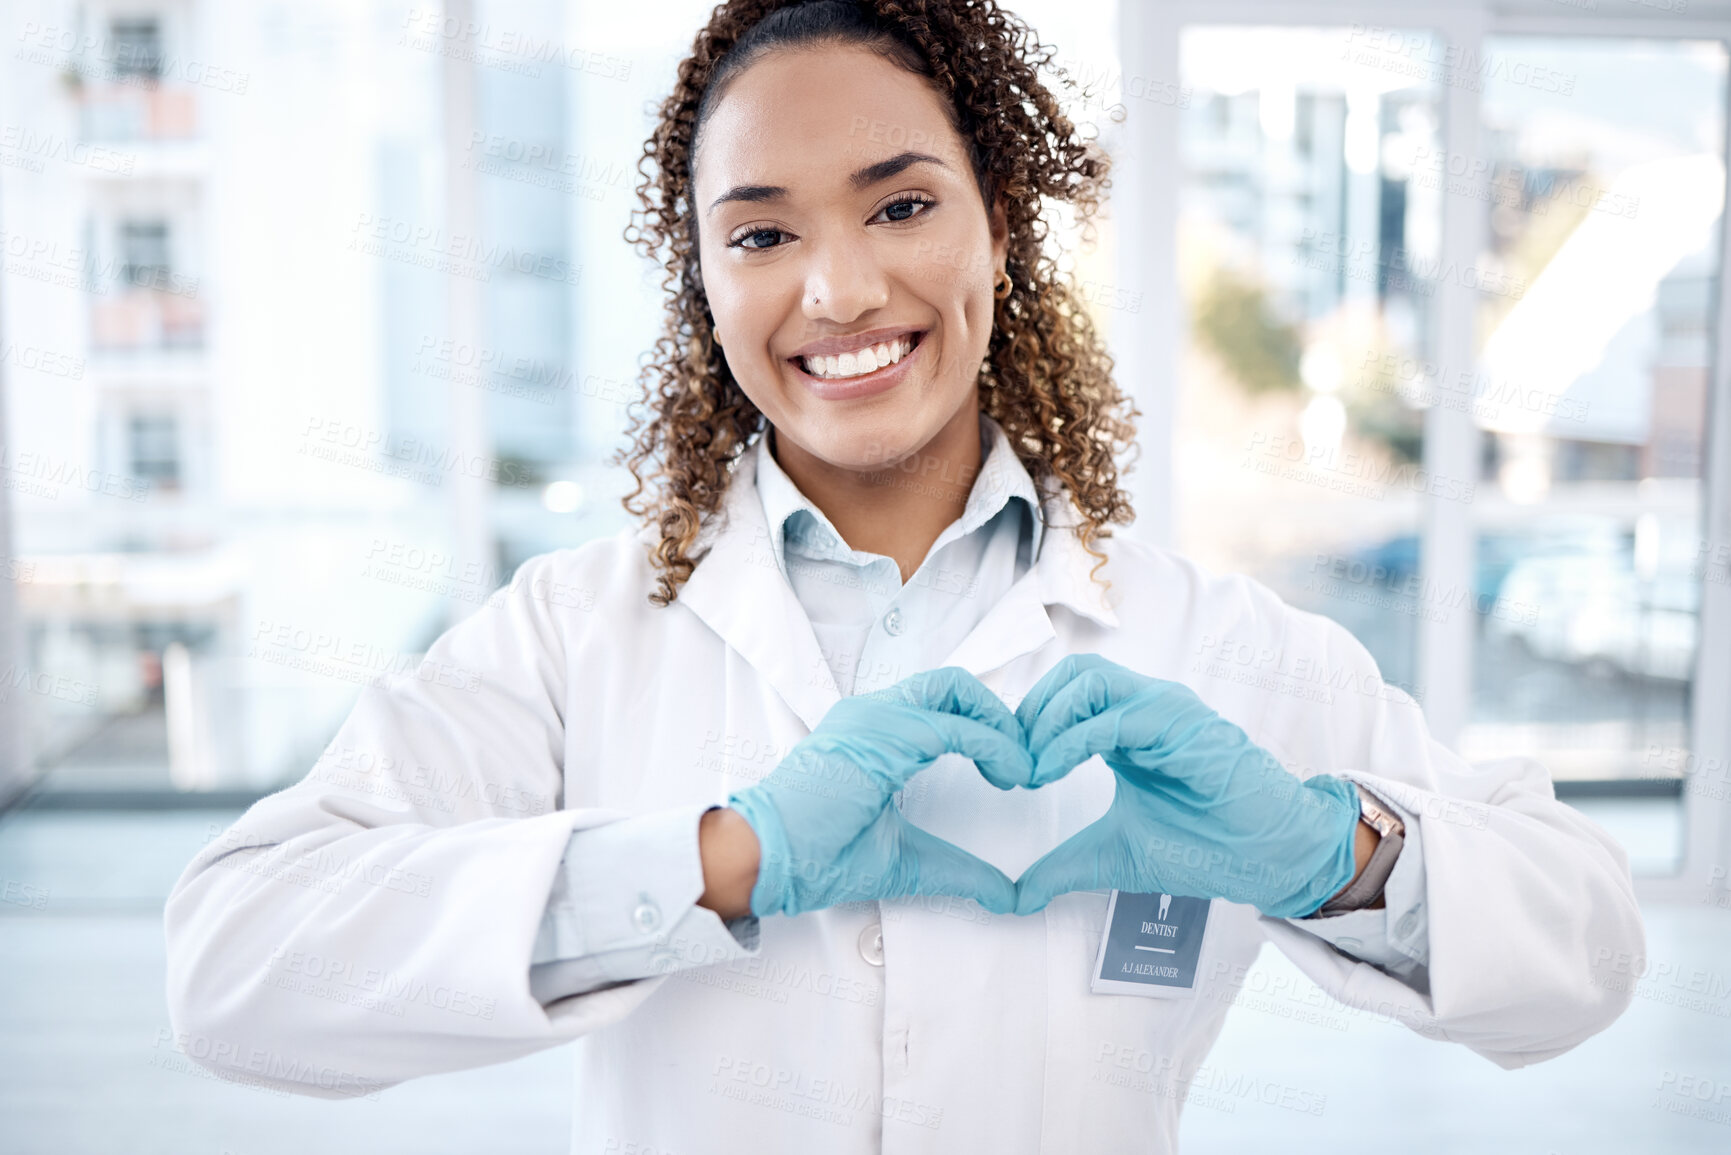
[
  {"x": 1497, "y": 555},
  {"x": 1595, "y": 610}
]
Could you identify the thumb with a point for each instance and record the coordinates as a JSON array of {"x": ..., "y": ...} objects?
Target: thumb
[
  {"x": 931, "y": 865},
  {"x": 1074, "y": 864}
]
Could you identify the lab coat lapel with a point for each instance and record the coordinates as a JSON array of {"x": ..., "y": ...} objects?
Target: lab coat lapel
[
  {"x": 1017, "y": 625},
  {"x": 1020, "y": 624},
  {"x": 739, "y": 591}
]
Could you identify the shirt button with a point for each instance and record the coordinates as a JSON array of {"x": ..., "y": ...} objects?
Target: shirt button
[
  {"x": 871, "y": 944},
  {"x": 1407, "y": 924},
  {"x": 893, "y": 623},
  {"x": 646, "y": 917},
  {"x": 1348, "y": 944}
]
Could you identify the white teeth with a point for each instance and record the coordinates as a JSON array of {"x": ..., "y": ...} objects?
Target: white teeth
[{"x": 860, "y": 361}]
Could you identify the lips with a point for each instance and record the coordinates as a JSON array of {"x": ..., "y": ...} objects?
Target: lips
[
  {"x": 861, "y": 361},
  {"x": 877, "y": 380}
]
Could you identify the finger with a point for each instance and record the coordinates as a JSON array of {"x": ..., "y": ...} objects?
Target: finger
[
  {"x": 905, "y": 740},
  {"x": 1162, "y": 724},
  {"x": 1054, "y": 680},
  {"x": 1075, "y": 864},
  {"x": 953, "y": 690},
  {"x": 1002, "y": 761},
  {"x": 941, "y": 867},
  {"x": 1100, "y": 734},
  {"x": 1092, "y": 691}
]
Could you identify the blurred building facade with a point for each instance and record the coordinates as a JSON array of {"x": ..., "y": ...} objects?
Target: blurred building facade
[{"x": 229, "y": 370}]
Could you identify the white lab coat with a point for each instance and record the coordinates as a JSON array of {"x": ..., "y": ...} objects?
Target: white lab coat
[{"x": 374, "y": 922}]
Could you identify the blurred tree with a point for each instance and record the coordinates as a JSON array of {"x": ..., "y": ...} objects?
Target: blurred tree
[
  {"x": 1383, "y": 418},
  {"x": 518, "y": 471},
  {"x": 1384, "y": 399},
  {"x": 1234, "y": 320}
]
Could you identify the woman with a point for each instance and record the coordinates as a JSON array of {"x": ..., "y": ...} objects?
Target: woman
[{"x": 871, "y": 796}]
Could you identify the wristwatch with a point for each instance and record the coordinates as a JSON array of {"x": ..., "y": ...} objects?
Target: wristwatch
[{"x": 1369, "y": 884}]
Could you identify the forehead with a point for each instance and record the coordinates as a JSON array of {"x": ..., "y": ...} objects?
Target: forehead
[{"x": 796, "y": 113}]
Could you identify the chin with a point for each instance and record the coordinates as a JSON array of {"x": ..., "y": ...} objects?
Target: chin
[{"x": 870, "y": 446}]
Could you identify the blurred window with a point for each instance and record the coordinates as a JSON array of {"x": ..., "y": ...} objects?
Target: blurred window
[
  {"x": 153, "y": 449},
  {"x": 137, "y": 47},
  {"x": 1591, "y": 391},
  {"x": 1308, "y": 253},
  {"x": 144, "y": 252}
]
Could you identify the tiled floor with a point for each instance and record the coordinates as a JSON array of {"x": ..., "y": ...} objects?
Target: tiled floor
[
  {"x": 83, "y": 1068},
  {"x": 1378, "y": 1082}
]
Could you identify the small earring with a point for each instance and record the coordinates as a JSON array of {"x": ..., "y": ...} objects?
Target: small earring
[
  {"x": 1002, "y": 285},
  {"x": 715, "y": 335}
]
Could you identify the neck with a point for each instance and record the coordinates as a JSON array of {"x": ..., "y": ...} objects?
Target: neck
[{"x": 899, "y": 511}]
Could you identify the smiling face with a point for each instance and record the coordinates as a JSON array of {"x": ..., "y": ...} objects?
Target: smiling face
[{"x": 838, "y": 213}]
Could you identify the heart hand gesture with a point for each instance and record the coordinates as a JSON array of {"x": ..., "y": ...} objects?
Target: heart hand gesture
[{"x": 1199, "y": 809}]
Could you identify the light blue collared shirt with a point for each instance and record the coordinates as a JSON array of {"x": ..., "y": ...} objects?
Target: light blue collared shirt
[
  {"x": 628, "y": 889},
  {"x": 873, "y": 629}
]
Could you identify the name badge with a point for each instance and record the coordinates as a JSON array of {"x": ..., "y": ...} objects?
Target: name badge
[{"x": 1151, "y": 945}]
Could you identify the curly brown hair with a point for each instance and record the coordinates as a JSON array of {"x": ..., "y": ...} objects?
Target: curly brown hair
[{"x": 1047, "y": 378}]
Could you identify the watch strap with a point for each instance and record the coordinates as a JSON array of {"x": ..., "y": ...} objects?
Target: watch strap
[{"x": 1391, "y": 833}]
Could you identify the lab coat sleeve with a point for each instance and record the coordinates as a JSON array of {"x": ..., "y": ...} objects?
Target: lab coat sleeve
[
  {"x": 624, "y": 907},
  {"x": 1526, "y": 901},
  {"x": 374, "y": 922},
  {"x": 1364, "y": 934}
]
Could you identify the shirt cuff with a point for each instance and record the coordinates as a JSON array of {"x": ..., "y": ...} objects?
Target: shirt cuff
[
  {"x": 623, "y": 907},
  {"x": 1395, "y": 937}
]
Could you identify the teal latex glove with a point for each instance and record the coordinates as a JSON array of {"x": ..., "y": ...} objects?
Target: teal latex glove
[
  {"x": 1200, "y": 809},
  {"x": 827, "y": 829}
]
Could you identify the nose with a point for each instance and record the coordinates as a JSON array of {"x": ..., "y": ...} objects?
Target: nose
[{"x": 843, "y": 280}]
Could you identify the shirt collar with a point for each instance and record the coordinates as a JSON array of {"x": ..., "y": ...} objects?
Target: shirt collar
[{"x": 790, "y": 514}]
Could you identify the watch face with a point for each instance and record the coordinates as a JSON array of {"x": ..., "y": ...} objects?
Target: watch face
[{"x": 1385, "y": 821}]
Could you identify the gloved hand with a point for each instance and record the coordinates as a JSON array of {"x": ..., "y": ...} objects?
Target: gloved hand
[
  {"x": 827, "y": 830},
  {"x": 1200, "y": 810}
]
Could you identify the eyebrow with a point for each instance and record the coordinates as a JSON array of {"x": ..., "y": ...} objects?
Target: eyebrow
[{"x": 866, "y": 177}]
